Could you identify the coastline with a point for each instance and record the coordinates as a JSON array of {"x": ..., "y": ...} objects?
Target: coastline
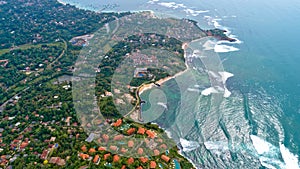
[
  {"x": 149, "y": 86},
  {"x": 146, "y": 86}
]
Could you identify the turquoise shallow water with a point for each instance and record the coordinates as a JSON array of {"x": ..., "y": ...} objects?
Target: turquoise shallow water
[{"x": 265, "y": 104}]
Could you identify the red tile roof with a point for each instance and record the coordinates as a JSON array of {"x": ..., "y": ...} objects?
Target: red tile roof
[
  {"x": 144, "y": 159},
  {"x": 61, "y": 162},
  {"x": 141, "y": 130},
  {"x": 118, "y": 137},
  {"x": 102, "y": 149},
  {"x": 123, "y": 167},
  {"x": 130, "y": 143},
  {"x": 165, "y": 158},
  {"x": 123, "y": 150},
  {"x": 118, "y": 123},
  {"x": 130, "y": 161},
  {"x": 105, "y": 137},
  {"x": 131, "y": 131},
  {"x": 84, "y": 156},
  {"x": 83, "y": 148},
  {"x": 23, "y": 145},
  {"x": 116, "y": 158},
  {"x": 151, "y": 134},
  {"x": 156, "y": 152},
  {"x": 44, "y": 154},
  {"x": 106, "y": 156},
  {"x": 92, "y": 150},
  {"x": 54, "y": 160},
  {"x": 96, "y": 158},
  {"x": 114, "y": 148},
  {"x": 140, "y": 151},
  {"x": 152, "y": 164}
]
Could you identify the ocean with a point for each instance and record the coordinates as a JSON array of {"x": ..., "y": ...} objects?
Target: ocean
[{"x": 258, "y": 125}]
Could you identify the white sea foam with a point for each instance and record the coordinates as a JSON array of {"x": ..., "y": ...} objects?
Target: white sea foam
[
  {"x": 60, "y": 1},
  {"x": 268, "y": 154},
  {"x": 188, "y": 145},
  {"x": 290, "y": 160},
  {"x": 209, "y": 91},
  {"x": 194, "y": 12},
  {"x": 193, "y": 90},
  {"x": 209, "y": 45},
  {"x": 216, "y": 145},
  {"x": 163, "y": 105},
  {"x": 220, "y": 47},
  {"x": 260, "y": 145},
  {"x": 225, "y": 76},
  {"x": 152, "y": 1},
  {"x": 225, "y": 48},
  {"x": 172, "y": 5},
  {"x": 227, "y": 93}
]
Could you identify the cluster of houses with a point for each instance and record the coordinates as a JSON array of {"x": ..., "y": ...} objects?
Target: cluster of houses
[
  {"x": 88, "y": 155},
  {"x": 81, "y": 40},
  {"x": 47, "y": 152},
  {"x": 111, "y": 152},
  {"x": 142, "y": 59}
]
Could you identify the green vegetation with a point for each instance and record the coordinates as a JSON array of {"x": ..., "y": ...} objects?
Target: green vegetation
[
  {"x": 36, "y": 104},
  {"x": 36, "y": 21},
  {"x": 118, "y": 53}
]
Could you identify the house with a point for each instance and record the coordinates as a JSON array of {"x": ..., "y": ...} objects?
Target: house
[
  {"x": 123, "y": 150},
  {"x": 152, "y": 164},
  {"x": 105, "y": 137},
  {"x": 118, "y": 123},
  {"x": 140, "y": 72},
  {"x": 144, "y": 159},
  {"x": 163, "y": 146},
  {"x": 140, "y": 151},
  {"x": 23, "y": 145},
  {"x": 84, "y": 156},
  {"x": 141, "y": 131},
  {"x": 52, "y": 139},
  {"x": 114, "y": 148},
  {"x": 57, "y": 160},
  {"x": 61, "y": 162},
  {"x": 151, "y": 134},
  {"x": 53, "y": 160},
  {"x": 92, "y": 150},
  {"x": 116, "y": 158},
  {"x": 139, "y": 167},
  {"x": 83, "y": 148},
  {"x": 123, "y": 167},
  {"x": 165, "y": 158},
  {"x": 44, "y": 155},
  {"x": 130, "y": 131},
  {"x": 90, "y": 138},
  {"x": 102, "y": 149},
  {"x": 156, "y": 152},
  {"x": 118, "y": 137},
  {"x": 96, "y": 159},
  {"x": 130, "y": 161},
  {"x": 106, "y": 156},
  {"x": 130, "y": 143}
]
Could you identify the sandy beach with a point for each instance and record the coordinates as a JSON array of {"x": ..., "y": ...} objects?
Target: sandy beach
[{"x": 160, "y": 82}]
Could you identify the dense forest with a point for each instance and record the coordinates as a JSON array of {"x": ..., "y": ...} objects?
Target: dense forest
[{"x": 41, "y": 21}]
